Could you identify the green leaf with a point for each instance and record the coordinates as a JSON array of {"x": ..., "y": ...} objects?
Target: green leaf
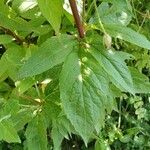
[
  {"x": 11, "y": 107},
  {"x": 15, "y": 23},
  {"x": 50, "y": 54},
  {"x": 36, "y": 133},
  {"x": 4, "y": 87},
  {"x": 8, "y": 132},
  {"x": 101, "y": 145},
  {"x": 61, "y": 127},
  {"x": 57, "y": 138},
  {"x": 25, "y": 84},
  {"x": 126, "y": 138},
  {"x": 128, "y": 35},
  {"x": 22, "y": 118},
  {"x": 140, "y": 81},
  {"x": 113, "y": 63},
  {"x": 12, "y": 59},
  {"x": 5, "y": 39},
  {"x": 24, "y": 5},
  {"x": 83, "y": 83},
  {"x": 117, "y": 13},
  {"x": 3, "y": 69},
  {"x": 52, "y": 11}
]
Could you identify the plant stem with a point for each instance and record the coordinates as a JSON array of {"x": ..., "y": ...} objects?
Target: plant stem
[
  {"x": 83, "y": 13},
  {"x": 119, "y": 119},
  {"x": 142, "y": 24},
  {"x": 135, "y": 14},
  {"x": 11, "y": 33},
  {"x": 99, "y": 19},
  {"x": 37, "y": 90},
  {"x": 89, "y": 9},
  {"x": 77, "y": 18}
]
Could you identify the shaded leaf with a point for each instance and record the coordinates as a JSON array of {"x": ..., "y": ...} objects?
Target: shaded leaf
[
  {"x": 8, "y": 132},
  {"x": 140, "y": 81},
  {"x": 22, "y": 118},
  {"x": 118, "y": 13},
  {"x": 36, "y": 134}
]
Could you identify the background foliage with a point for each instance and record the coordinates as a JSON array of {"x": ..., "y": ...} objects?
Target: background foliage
[{"x": 58, "y": 91}]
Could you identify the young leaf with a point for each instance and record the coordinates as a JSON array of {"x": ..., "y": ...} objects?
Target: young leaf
[
  {"x": 50, "y": 54},
  {"x": 128, "y": 34},
  {"x": 52, "y": 11}
]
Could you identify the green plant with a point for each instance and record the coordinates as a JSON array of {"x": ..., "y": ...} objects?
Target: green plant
[{"x": 55, "y": 84}]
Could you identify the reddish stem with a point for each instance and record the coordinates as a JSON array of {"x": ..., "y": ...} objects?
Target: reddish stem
[{"x": 77, "y": 18}]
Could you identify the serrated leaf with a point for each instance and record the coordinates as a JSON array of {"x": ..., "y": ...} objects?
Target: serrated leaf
[
  {"x": 50, "y": 54},
  {"x": 11, "y": 107},
  {"x": 114, "y": 65},
  {"x": 57, "y": 138},
  {"x": 36, "y": 134},
  {"x": 22, "y": 118},
  {"x": 140, "y": 81},
  {"x": 8, "y": 132},
  {"x": 61, "y": 127},
  {"x": 128, "y": 35},
  {"x": 82, "y": 93},
  {"x": 48, "y": 9}
]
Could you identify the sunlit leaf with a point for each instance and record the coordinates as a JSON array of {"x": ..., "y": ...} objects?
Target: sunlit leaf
[
  {"x": 48, "y": 9},
  {"x": 51, "y": 53}
]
